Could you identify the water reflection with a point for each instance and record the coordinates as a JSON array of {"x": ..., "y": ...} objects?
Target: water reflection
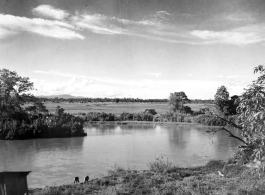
[
  {"x": 57, "y": 161},
  {"x": 43, "y": 157}
]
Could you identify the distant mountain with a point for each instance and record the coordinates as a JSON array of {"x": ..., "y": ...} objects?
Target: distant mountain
[{"x": 65, "y": 96}]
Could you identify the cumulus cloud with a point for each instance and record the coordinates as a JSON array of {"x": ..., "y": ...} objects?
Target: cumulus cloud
[
  {"x": 10, "y": 24},
  {"x": 50, "y": 12}
]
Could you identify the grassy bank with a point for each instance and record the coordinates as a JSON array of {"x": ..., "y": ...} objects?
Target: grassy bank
[{"x": 164, "y": 178}]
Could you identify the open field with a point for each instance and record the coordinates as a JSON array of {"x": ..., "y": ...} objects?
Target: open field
[{"x": 115, "y": 108}]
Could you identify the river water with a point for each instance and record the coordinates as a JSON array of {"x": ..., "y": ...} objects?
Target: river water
[{"x": 57, "y": 161}]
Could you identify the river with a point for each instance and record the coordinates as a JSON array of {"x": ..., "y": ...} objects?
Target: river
[{"x": 57, "y": 161}]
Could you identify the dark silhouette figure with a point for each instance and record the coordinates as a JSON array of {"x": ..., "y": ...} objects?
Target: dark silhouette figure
[
  {"x": 86, "y": 179},
  {"x": 76, "y": 180}
]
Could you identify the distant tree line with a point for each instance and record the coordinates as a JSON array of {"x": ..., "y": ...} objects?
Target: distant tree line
[
  {"x": 108, "y": 100},
  {"x": 116, "y": 100}
]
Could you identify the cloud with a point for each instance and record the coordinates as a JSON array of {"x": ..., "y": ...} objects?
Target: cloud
[
  {"x": 5, "y": 33},
  {"x": 144, "y": 88},
  {"x": 158, "y": 26},
  {"x": 97, "y": 23},
  {"x": 240, "y": 36},
  {"x": 10, "y": 24},
  {"x": 50, "y": 12},
  {"x": 231, "y": 76},
  {"x": 236, "y": 17},
  {"x": 154, "y": 74}
]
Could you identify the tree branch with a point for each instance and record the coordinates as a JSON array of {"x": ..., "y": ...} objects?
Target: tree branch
[
  {"x": 230, "y": 134},
  {"x": 229, "y": 122}
]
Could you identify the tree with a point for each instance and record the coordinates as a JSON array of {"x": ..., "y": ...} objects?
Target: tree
[
  {"x": 117, "y": 100},
  {"x": 221, "y": 98},
  {"x": 187, "y": 110},
  {"x": 177, "y": 100},
  {"x": 249, "y": 119},
  {"x": 59, "y": 111},
  {"x": 14, "y": 93},
  {"x": 225, "y": 104},
  {"x": 251, "y": 116},
  {"x": 150, "y": 111}
]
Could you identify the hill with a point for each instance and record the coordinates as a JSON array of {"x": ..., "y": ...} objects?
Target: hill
[{"x": 65, "y": 96}]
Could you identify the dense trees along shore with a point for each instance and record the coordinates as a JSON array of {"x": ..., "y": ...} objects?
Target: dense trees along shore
[{"x": 18, "y": 121}]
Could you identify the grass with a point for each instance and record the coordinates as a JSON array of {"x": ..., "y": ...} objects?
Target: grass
[
  {"x": 165, "y": 179},
  {"x": 115, "y": 108}
]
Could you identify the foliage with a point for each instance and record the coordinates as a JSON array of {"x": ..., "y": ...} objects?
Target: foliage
[
  {"x": 251, "y": 116},
  {"x": 174, "y": 117},
  {"x": 249, "y": 119},
  {"x": 221, "y": 97},
  {"x": 160, "y": 165},
  {"x": 177, "y": 100},
  {"x": 102, "y": 116},
  {"x": 14, "y": 92},
  {"x": 42, "y": 126},
  {"x": 224, "y": 104},
  {"x": 208, "y": 120},
  {"x": 18, "y": 121},
  {"x": 117, "y": 100},
  {"x": 186, "y": 110},
  {"x": 150, "y": 111}
]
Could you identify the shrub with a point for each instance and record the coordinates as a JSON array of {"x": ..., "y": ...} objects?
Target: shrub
[
  {"x": 159, "y": 165},
  {"x": 42, "y": 126}
]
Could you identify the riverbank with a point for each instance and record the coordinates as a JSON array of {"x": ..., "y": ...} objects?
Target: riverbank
[{"x": 164, "y": 178}]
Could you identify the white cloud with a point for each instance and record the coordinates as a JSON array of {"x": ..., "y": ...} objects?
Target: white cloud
[
  {"x": 144, "y": 88},
  {"x": 155, "y": 27},
  {"x": 236, "y": 17},
  {"x": 56, "y": 29},
  {"x": 51, "y": 12},
  {"x": 97, "y": 23},
  {"x": 5, "y": 33},
  {"x": 239, "y": 36},
  {"x": 154, "y": 74}
]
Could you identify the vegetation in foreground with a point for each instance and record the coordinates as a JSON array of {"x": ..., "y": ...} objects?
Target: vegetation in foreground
[{"x": 164, "y": 178}]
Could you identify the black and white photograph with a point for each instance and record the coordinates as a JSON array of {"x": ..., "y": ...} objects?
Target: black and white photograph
[{"x": 132, "y": 97}]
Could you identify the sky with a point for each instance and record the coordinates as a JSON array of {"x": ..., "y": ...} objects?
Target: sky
[{"x": 133, "y": 48}]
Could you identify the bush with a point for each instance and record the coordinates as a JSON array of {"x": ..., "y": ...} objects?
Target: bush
[
  {"x": 208, "y": 120},
  {"x": 159, "y": 165},
  {"x": 42, "y": 126}
]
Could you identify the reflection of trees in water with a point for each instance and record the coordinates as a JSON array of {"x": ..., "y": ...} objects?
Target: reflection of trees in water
[
  {"x": 98, "y": 129},
  {"x": 177, "y": 136},
  {"x": 194, "y": 141},
  {"x": 22, "y": 154}
]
